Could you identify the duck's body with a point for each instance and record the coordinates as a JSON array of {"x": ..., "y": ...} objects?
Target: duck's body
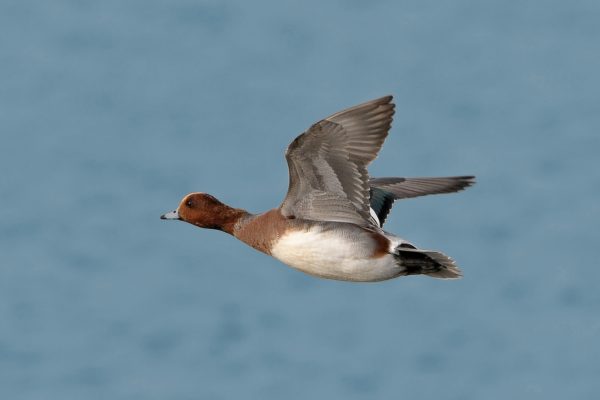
[
  {"x": 338, "y": 250},
  {"x": 334, "y": 250},
  {"x": 329, "y": 224}
]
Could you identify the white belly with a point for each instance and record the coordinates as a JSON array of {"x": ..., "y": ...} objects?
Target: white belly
[{"x": 328, "y": 254}]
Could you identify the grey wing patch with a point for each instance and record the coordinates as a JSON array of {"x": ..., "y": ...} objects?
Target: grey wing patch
[
  {"x": 384, "y": 191},
  {"x": 328, "y": 164},
  {"x": 404, "y": 188}
]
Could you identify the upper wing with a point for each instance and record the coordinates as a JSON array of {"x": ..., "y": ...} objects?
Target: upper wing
[
  {"x": 328, "y": 164},
  {"x": 384, "y": 191}
]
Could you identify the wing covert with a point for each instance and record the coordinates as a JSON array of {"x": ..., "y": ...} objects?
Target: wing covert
[{"x": 328, "y": 164}]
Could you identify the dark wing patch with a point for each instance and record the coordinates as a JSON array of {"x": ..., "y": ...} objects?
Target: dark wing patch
[{"x": 381, "y": 203}]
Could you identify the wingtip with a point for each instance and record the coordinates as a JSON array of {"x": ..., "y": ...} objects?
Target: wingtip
[
  {"x": 379, "y": 101},
  {"x": 387, "y": 99},
  {"x": 469, "y": 180},
  {"x": 464, "y": 181}
]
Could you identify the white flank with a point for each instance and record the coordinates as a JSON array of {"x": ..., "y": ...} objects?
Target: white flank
[{"x": 331, "y": 255}]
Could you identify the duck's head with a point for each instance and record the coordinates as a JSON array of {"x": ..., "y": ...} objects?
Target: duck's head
[{"x": 204, "y": 211}]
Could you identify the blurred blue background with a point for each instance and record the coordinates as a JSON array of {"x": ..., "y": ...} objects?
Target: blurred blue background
[{"x": 111, "y": 111}]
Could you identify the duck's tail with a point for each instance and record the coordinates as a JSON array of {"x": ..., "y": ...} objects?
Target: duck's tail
[{"x": 426, "y": 262}]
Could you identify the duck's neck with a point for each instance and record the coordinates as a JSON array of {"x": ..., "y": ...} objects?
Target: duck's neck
[{"x": 229, "y": 218}]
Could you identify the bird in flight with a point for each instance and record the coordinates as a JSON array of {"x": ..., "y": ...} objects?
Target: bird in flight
[{"x": 330, "y": 223}]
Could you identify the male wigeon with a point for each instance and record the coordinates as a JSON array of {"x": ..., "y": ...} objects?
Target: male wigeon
[{"x": 330, "y": 222}]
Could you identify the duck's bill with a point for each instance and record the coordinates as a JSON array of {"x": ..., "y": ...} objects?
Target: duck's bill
[{"x": 171, "y": 215}]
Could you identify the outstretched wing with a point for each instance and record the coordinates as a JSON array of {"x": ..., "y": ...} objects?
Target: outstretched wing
[
  {"x": 328, "y": 164},
  {"x": 384, "y": 191}
]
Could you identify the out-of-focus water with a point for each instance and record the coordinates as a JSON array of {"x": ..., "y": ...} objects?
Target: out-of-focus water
[{"x": 111, "y": 111}]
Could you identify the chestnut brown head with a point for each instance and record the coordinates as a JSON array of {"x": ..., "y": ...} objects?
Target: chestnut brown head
[{"x": 202, "y": 210}]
